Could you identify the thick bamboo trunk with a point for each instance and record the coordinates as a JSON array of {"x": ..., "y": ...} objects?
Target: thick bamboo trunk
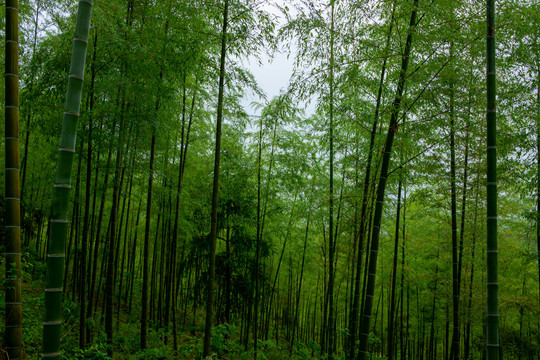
[
  {"x": 56, "y": 256},
  {"x": 13, "y": 315}
]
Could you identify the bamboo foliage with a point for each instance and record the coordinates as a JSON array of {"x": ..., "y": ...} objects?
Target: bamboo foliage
[
  {"x": 491, "y": 116},
  {"x": 13, "y": 332},
  {"x": 59, "y": 214}
]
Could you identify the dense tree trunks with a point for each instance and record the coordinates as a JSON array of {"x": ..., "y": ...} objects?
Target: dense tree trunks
[
  {"x": 144, "y": 295},
  {"x": 56, "y": 256},
  {"x": 492, "y": 275},
  {"x": 213, "y": 228},
  {"x": 13, "y": 308},
  {"x": 295, "y": 322},
  {"x": 276, "y": 276},
  {"x": 86, "y": 219},
  {"x": 366, "y": 317},
  {"x": 73, "y": 232},
  {"x": 97, "y": 239},
  {"x": 112, "y": 238}
]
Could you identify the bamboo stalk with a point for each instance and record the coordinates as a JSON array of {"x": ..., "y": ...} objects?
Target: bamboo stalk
[
  {"x": 491, "y": 117},
  {"x": 13, "y": 317},
  {"x": 58, "y": 227}
]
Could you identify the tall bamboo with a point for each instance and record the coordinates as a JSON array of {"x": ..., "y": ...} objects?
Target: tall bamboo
[
  {"x": 491, "y": 116},
  {"x": 213, "y": 226},
  {"x": 331, "y": 240},
  {"x": 58, "y": 227},
  {"x": 13, "y": 317},
  {"x": 370, "y": 289},
  {"x": 361, "y": 234}
]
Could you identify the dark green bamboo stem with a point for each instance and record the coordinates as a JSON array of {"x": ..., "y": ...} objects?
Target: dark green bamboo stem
[
  {"x": 213, "y": 227},
  {"x": 59, "y": 214},
  {"x": 392, "y": 129},
  {"x": 455, "y": 279},
  {"x": 144, "y": 314},
  {"x": 491, "y": 116},
  {"x": 353, "y": 320},
  {"x": 391, "y": 322},
  {"x": 258, "y": 246},
  {"x": 13, "y": 318}
]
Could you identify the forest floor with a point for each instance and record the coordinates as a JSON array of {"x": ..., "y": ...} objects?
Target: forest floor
[{"x": 226, "y": 343}]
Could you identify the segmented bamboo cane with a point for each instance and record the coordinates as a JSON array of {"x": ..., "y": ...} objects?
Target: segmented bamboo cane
[
  {"x": 58, "y": 227},
  {"x": 13, "y": 317},
  {"x": 491, "y": 116}
]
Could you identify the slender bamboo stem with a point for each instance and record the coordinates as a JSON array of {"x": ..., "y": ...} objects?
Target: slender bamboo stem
[
  {"x": 392, "y": 129},
  {"x": 491, "y": 116},
  {"x": 213, "y": 227}
]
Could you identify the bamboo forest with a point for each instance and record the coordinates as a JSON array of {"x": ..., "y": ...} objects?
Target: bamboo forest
[{"x": 167, "y": 196}]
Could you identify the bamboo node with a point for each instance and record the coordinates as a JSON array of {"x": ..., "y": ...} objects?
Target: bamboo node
[
  {"x": 66, "y": 149},
  {"x": 62, "y": 185},
  {"x": 11, "y": 74},
  {"x": 80, "y": 39},
  {"x": 71, "y": 113},
  {"x": 54, "y": 290},
  {"x": 12, "y": 8},
  {"x": 56, "y": 255},
  {"x": 51, "y": 354},
  {"x": 59, "y": 221},
  {"x": 11, "y": 138},
  {"x": 52, "y": 323},
  {"x": 13, "y": 198},
  {"x": 76, "y": 76},
  {"x": 13, "y": 169}
]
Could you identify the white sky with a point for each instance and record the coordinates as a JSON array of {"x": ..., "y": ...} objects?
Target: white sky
[{"x": 272, "y": 77}]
